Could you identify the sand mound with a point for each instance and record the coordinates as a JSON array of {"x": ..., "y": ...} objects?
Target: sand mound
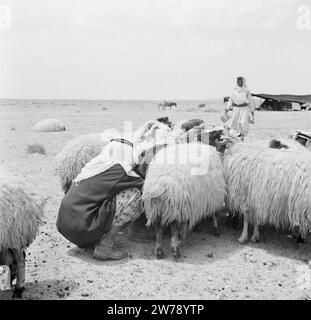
[{"x": 50, "y": 125}]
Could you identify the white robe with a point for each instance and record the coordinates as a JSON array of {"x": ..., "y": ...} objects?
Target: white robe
[{"x": 239, "y": 121}]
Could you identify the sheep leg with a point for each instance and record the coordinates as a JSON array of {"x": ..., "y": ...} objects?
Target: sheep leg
[
  {"x": 244, "y": 236},
  {"x": 19, "y": 256},
  {"x": 255, "y": 237},
  {"x": 159, "y": 236},
  {"x": 175, "y": 241},
  {"x": 216, "y": 230}
]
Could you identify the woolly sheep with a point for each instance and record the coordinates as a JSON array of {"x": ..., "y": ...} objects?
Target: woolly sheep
[
  {"x": 79, "y": 151},
  {"x": 20, "y": 217},
  {"x": 287, "y": 144},
  {"x": 50, "y": 125},
  {"x": 184, "y": 184},
  {"x": 269, "y": 187},
  {"x": 76, "y": 154}
]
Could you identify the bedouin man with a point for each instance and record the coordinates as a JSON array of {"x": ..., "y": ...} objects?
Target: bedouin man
[
  {"x": 104, "y": 198},
  {"x": 242, "y": 105}
]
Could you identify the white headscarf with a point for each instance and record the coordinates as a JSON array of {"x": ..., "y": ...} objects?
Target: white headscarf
[
  {"x": 244, "y": 87},
  {"x": 116, "y": 152},
  {"x": 240, "y": 94},
  {"x": 113, "y": 153}
]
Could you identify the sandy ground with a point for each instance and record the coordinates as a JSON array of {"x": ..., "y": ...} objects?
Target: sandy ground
[{"x": 211, "y": 268}]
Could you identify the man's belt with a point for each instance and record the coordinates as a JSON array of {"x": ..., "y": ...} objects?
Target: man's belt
[
  {"x": 122, "y": 141},
  {"x": 240, "y": 105}
]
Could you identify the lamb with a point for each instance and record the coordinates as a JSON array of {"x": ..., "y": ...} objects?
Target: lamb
[
  {"x": 20, "y": 216},
  {"x": 76, "y": 154},
  {"x": 269, "y": 187},
  {"x": 184, "y": 184}
]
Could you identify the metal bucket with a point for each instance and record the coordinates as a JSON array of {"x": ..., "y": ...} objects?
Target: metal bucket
[
  {"x": 225, "y": 117},
  {"x": 138, "y": 232},
  {"x": 5, "y": 278}
]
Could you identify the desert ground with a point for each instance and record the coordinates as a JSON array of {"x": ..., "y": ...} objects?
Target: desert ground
[{"x": 211, "y": 267}]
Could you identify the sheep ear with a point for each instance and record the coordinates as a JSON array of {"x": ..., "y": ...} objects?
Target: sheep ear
[{"x": 221, "y": 142}]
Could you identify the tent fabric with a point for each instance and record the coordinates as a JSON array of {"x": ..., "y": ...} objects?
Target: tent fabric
[{"x": 285, "y": 97}]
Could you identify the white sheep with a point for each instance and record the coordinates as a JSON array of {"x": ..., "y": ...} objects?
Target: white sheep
[
  {"x": 184, "y": 184},
  {"x": 285, "y": 144},
  {"x": 20, "y": 217},
  {"x": 269, "y": 187},
  {"x": 76, "y": 154},
  {"x": 79, "y": 151},
  {"x": 50, "y": 125}
]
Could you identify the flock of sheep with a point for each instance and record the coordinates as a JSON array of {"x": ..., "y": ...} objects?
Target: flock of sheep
[{"x": 192, "y": 174}]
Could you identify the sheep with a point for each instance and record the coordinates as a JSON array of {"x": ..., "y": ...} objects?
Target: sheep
[
  {"x": 184, "y": 184},
  {"x": 269, "y": 187},
  {"x": 20, "y": 217},
  {"x": 186, "y": 126},
  {"x": 287, "y": 144},
  {"x": 79, "y": 151},
  {"x": 50, "y": 125},
  {"x": 76, "y": 154}
]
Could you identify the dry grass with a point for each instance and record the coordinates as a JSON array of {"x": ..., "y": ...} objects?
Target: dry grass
[{"x": 35, "y": 148}]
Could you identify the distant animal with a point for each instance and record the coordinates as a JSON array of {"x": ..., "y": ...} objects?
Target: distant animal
[
  {"x": 162, "y": 106},
  {"x": 202, "y": 105}
]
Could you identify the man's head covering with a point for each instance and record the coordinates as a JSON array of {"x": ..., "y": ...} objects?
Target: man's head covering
[{"x": 244, "y": 87}]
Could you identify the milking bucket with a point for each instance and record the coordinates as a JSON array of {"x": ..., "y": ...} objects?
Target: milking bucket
[
  {"x": 225, "y": 117},
  {"x": 5, "y": 278}
]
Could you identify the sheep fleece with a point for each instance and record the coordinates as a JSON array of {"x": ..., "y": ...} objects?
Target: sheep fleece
[
  {"x": 274, "y": 184},
  {"x": 75, "y": 155},
  {"x": 20, "y": 216},
  {"x": 184, "y": 183}
]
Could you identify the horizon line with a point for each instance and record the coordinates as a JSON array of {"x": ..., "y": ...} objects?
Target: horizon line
[{"x": 113, "y": 99}]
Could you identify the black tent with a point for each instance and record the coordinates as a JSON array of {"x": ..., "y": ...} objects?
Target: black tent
[{"x": 282, "y": 102}]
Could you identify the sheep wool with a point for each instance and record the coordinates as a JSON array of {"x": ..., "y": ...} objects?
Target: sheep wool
[
  {"x": 50, "y": 125},
  {"x": 76, "y": 154},
  {"x": 291, "y": 144},
  {"x": 184, "y": 183},
  {"x": 20, "y": 215},
  {"x": 274, "y": 186}
]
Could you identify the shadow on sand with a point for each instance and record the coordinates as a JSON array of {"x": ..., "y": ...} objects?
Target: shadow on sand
[
  {"x": 44, "y": 290},
  {"x": 202, "y": 247}
]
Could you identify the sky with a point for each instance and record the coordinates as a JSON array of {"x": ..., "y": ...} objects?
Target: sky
[{"x": 153, "y": 49}]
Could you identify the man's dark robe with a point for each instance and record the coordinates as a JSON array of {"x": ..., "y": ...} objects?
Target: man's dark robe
[{"x": 87, "y": 210}]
